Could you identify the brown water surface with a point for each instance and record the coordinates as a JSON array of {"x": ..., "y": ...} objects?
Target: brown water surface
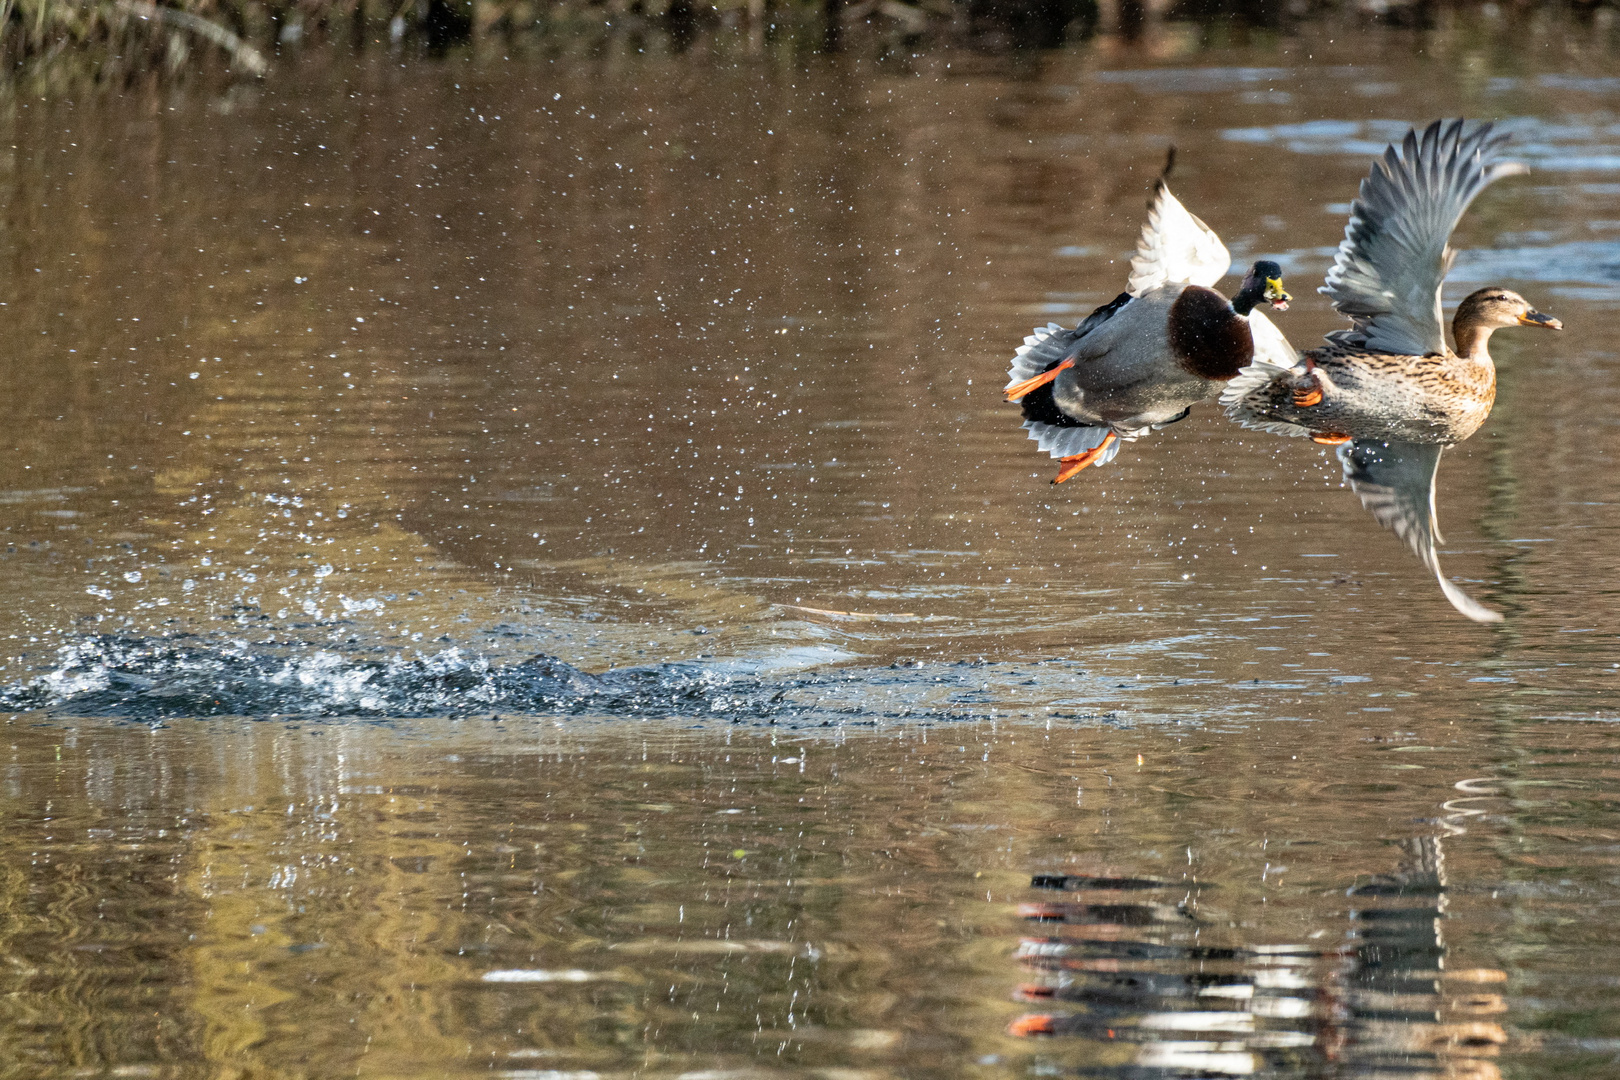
[{"x": 336, "y": 400}]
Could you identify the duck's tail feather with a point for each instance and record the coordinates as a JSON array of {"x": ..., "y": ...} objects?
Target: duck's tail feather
[
  {"x": 1045, "y": 346},
  {"x": 1395, "y": 481},
  {"x": 1071, "y": 441},
  {"x": 1051, "y": 344}
]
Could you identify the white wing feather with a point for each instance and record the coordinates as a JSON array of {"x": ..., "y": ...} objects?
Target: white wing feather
[
  {"x": 1270, "y": 345},
  {"x": 1175, "y": 247}
]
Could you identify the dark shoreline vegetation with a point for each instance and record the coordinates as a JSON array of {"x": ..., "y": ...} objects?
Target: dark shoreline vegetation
[{"x": 57, "y": 43}]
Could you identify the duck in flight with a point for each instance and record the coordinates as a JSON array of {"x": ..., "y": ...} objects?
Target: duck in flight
[
  {"x": 1389, "y": 391},
  {"x": 1144, "y": 359}
]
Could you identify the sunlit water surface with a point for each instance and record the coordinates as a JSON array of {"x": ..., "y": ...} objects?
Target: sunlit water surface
[{"x": 518, "y": 562}]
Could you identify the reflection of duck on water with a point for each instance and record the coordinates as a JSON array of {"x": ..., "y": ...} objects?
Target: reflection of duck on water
[
  {"x": 1403, "y": 1012},
  {"x": 1144, "y": 359},
  {"x": 1134, "y": 987}
]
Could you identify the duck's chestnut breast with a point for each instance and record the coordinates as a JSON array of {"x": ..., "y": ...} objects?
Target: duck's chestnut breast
[{"x": 1209, "y": 339}]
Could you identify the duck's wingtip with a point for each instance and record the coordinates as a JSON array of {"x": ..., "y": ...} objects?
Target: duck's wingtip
[
  {"x": 1270, "y": 427},
  {"x": 1467, "y": 605}
]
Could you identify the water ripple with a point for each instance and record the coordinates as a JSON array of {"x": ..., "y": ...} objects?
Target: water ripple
[{"x": 1571, "y": 146}]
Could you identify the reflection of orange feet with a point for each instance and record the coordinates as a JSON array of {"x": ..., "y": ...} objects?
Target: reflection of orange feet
[
  {"x": 1304, "y": 399},
  {"x": 1032, "y": 1025},
  {"x": 1033, "y": 992},
  {"x": 1018, "y": 390},
  {"x": 1042, "y": 912},
  {"x": 1072, "y": 465},
  {"x": 1330, "y": 439}
]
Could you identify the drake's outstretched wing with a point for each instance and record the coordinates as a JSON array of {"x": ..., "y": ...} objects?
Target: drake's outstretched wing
[
  {"x": 1394, "y": 255},
  {"x": 1395, "y": 481},
  {"x": 1175, "y": 247}
]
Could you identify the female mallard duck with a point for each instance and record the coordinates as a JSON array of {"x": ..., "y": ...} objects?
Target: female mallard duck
[
  {"x": 1143, "y": 360},
  {"x": 1388, "y": 391}
]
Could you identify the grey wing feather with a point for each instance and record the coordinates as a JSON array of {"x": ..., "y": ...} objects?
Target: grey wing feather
[
  {"x": 1049, "y": 344},
  {"x": 1395, "y": 254},
  {"x": 1175, "y": 246},
  {"x": 1395, "y": 481}
]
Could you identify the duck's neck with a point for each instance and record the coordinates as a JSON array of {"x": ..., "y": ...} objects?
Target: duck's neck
[
  {"x": 1473, "y": 338},
  {"x": 1252, "y": 293}
]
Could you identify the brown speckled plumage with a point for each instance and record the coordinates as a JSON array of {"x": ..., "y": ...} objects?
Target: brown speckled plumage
[
  {"x": 1426, "y": 399},
  {"x": 1372, "y": 394}
]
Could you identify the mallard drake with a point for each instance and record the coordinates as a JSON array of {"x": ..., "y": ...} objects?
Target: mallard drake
[
  {"x": 1389, "y": 392},
  {"x": 1144, "y": 359}
]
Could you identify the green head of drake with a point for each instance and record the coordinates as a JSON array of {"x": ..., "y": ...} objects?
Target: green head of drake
[{"x": 1263, "y": 282}]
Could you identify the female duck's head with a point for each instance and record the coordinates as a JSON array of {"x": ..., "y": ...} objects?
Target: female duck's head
[
  {"x": 1490, "y": 309},
  {"x": 1262, "y": 282}
]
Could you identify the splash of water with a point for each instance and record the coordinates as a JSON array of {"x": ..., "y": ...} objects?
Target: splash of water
[{"x": 146, "y": 679}]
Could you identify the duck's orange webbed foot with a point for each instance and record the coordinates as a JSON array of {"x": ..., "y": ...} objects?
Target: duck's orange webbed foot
[
  {"x": 1072, "y": 465},
  {"x": 1330, "y": 439},
  {"x": 1306, "y": 396},
  {"x": 1018, "y": 390}
]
